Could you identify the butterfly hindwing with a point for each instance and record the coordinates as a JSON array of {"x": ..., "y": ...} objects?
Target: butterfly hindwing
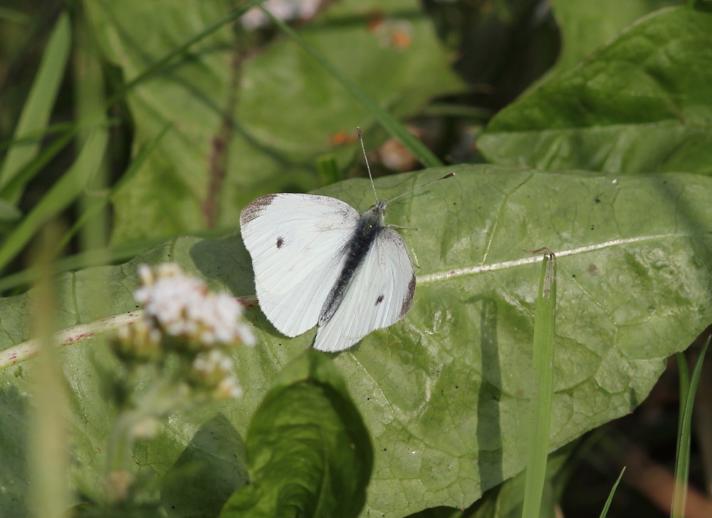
[
  {"x": 297, "y": 244},
  {"x": 379, "y": 294}
]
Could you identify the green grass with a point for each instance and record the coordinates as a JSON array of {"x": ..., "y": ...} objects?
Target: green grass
[
  {"x": 38, "y": 106},
  {"x": 48, "y": 434},
  {"x": 609, "y": 500},
  {"x": 543, "y": 354},
  {"x": 62, "y": 193},
  {"x": 682, "y": 455}
]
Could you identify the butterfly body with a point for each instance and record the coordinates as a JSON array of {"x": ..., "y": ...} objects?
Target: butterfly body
[
  {"x": 369, "y": 225},
  {"x": 319, "y": 262}
]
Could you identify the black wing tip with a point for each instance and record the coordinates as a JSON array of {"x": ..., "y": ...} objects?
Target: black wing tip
[
  {"x": 255, "y": 208},
  {"x": 408, "y": 300}
]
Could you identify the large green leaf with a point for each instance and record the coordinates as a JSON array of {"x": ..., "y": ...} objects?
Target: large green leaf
[
  {"x": 444, "y": 393},
  {"x": 641, "y": 104},
  {"x": 586, "y": 25},
  {"x": 285, "y": 112},
  {"x": 308, "y": 448}
]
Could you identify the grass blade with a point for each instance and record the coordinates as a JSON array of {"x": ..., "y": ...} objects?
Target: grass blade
[
  {"x": 9, "y": 212},
  {"x": 81, "y": 260},
  {"x": 14, "y": 16},
  {"x": 98, "y": 203},
  {"x": 683, "y": 378},
  {"x": 57, "y": 198},
  {"x": 167, "y": 59},
  {"x": 543, "y": 354},
  {"x": 89, "y": 106},
  {"x": 607, "y": 506},
  {"x": 682, "y": 455},
  {"x": 47, "y": 452},
  {"x": 13, "y": 188},
  {"x": 394, "y": 128},
  {"x": 38, "y": 107}
]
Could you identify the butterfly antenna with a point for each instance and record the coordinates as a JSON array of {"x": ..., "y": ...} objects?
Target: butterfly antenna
[
  {"x": 365, "y": 158},
  {"x": 421, "y": 188}
]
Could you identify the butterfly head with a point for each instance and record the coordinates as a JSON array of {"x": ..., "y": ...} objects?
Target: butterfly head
[{"x": 375, "y": 214}]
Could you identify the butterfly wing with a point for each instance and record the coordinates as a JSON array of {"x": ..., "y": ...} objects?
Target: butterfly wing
[
  {"x": 297, "y": 243},
  {"x": 380, "y": 294}
]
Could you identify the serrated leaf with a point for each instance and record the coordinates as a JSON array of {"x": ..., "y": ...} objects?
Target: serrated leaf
[
  {"x": 443, "y": 393},
  {"x": 309, "y": 451},
  {"x": 264, "y": 149},
  {"x": 641, "y": 104}
]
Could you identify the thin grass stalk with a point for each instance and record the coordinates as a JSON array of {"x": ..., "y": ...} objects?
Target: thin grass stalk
[
  {"x": 541, "y": 403},
  {"x": 48, "y": 449},
  {"x": 38, "y": 106},
  {"x": 682, "y": 455},
  {"x": 391, "y": 125},
  {"x": 64, "y": 191},
  {"x": 609, "y": 500},
  {"x": 168, "y": 58},
  {"x": 90, "y": 106}
]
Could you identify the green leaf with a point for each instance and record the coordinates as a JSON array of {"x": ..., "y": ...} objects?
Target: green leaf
[
  {"x": 308, "y": 449},
  {"x": 641, "y": 104},
  {"x": 207, "y": 472},
  {"x": 393, "y": 127},
  {"x": 443, "y": 392},
  {"x": 507, "y": 500},
  {"x": 584, "y": 29},
  {"x": 265, "y": 150},
  {"x": 38, "y": 106}
]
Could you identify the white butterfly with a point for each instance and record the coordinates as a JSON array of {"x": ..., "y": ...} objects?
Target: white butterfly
[{"x": 318, "y": 262}]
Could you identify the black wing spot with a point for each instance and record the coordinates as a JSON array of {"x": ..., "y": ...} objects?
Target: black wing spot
[
  {"x": 379, "y": 300},
  {"x": 280, "y": 242}
]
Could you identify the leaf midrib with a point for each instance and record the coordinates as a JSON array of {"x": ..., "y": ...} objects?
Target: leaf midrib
[{"x": 25, "y": 350}]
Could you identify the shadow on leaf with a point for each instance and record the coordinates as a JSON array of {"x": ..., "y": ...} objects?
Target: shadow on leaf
[{"x": 208, "y": 471}]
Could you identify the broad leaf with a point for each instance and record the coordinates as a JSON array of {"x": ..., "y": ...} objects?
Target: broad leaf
[
  {"x": 308, "y": 449},
  {"x": 444, "y": 393},
  {"x": 585, "y": 26},
  {"x": 641, "y": 104},
  {"x": 262, "y": 118}
]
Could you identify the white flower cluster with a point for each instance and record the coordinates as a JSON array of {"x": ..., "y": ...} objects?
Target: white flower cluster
[
  {"x": 215, "y": 368},
  {"x": 285, "y": 10},
  {"x": 182, "y": 306}
]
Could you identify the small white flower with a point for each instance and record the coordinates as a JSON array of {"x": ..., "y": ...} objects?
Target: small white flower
[
  {"x": 286, "y": 10},
  {"x": 229, "y": 388},
  {"x": 215, "y": 370},
  {"x": 182, "y": 306}
]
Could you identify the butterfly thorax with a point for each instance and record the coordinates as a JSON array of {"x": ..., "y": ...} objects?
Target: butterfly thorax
[{"x": 369, "y": 225}]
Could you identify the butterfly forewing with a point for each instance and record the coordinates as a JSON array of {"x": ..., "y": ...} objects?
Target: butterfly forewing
[
  {"x": 379, "y": 294},
  {"x": 297, "y": 244}
]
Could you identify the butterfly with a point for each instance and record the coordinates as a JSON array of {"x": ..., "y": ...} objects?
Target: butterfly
[{"x": 318, "y": 262}]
